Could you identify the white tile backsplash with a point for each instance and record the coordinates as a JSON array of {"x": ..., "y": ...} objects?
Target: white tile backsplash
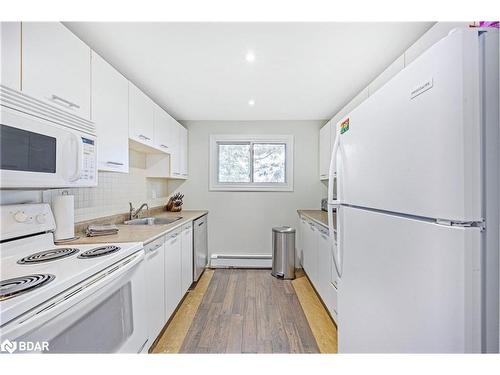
[
  {"x": 110, "y": 197},
  {"x": 113, "y": 193}
]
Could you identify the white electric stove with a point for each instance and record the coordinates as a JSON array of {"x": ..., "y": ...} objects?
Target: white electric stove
[{"x": 76, "y": 298}]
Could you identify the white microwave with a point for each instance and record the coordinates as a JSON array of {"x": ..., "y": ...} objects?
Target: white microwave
[{"x": 44, "y": 147}]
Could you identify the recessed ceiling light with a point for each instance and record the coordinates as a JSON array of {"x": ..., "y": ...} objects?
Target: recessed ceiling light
[
  {"x": 250, "y": 56},
  {"x": 251, "y": 102}
]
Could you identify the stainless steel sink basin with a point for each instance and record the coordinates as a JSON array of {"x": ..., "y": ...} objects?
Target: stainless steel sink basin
[{"x": 153, "y": 221}]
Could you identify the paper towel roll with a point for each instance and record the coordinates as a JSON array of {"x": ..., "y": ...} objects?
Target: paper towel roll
[{"x": 63, "y": 207}]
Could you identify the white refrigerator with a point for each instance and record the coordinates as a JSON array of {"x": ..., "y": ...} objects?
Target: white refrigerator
[{"x": 413, "y": 206}]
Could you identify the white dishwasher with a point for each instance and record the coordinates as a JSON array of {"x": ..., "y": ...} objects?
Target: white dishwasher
[{"x": 200, "y": 246}]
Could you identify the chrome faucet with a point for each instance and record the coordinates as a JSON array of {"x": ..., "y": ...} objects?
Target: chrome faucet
[{"x": 133, "y": 213}]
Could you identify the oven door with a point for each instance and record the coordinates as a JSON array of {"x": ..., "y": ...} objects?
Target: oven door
[
  {"x": 104, "y": 314},
  {"x": 36, "y": 153}
]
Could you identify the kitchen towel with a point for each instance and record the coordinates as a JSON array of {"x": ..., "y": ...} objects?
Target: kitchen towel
[
  {"x": 94, "y": 230},
  {"x": 63, "y": 207}
]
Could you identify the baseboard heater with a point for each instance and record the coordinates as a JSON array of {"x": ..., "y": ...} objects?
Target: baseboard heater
[{"x": 240, "y": 261}]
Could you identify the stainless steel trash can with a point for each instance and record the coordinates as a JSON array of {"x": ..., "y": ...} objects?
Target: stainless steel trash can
[{"x": 283, "y": 252}]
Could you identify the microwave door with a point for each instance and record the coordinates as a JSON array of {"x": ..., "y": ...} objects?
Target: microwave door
[{"x": 26, "y": 151}]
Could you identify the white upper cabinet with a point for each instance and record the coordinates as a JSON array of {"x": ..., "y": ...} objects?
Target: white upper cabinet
[
  {"x": 324, "y": 151},
  {"x": 179, "y": 152},
  {"x": 56, "y": 67},
  {"x": 333, "y": 132},
  {"x": 141, "y": 116},
  {"x": 175, "y": 155},
  {"x": 110, "y": 115},
  {"x": 183, "y": 144},
  {"x": 162, "y": 129},
  {"x": 10, "y": 54}
]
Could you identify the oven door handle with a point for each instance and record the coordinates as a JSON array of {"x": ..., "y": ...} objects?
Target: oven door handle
[
  {"x": 79, "y": 157},
  {"x": 65, "y": 300}
]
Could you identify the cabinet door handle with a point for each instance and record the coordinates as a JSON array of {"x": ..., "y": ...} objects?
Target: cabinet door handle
[
  {"x": 144, "y": 137},
  {"x": 164, "y": 146},
  {"x": 59, "y": 100},
  {"x": 156, "y": 247},
  {"x": 114, "y": 163},
  {"x": 200, "y": 224}
]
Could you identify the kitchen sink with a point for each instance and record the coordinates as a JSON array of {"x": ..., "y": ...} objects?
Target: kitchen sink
[{"x": 153, "y": 221}]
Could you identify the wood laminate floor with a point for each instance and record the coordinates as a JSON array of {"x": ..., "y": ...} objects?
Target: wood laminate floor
[
  {"x": 249, "y": 311},
  {"x": 172, "y": 338},
  {"x": 322, "y": 326}
]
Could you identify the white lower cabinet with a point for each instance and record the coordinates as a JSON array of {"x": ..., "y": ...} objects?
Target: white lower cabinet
[
  {"x": 323, "y": 263},
  {"x": 326, "y": 272},
  {"x": 170, "y": 274},
  {"x": 300, "y": 240},
  {"x": 311, "y": 252},
  {"x": 173, "y": 278},
  {"x": 317, "y": 261},
  {"x": 187, "y": 256},
  {"x": 332, "y": 304},
  {"x": 155, "y": 271}
]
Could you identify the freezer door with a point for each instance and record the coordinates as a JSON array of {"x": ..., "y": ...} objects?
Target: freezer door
[
  {"x": 414, "y": 146},
  {"x": 408, "y": 286}
]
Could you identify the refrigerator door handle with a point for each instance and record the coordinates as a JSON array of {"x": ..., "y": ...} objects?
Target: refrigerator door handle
[
  {"x": 340, "y": 240},
  {"x": 332, "y": 172},
  {"x": 334, "y": 237}
]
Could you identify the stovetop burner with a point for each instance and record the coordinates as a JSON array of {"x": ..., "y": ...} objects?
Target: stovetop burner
[
  {"x": 48, "y": 255},
  {"x": 19, "y": 285},
  {"x": 99, "y": 251}
]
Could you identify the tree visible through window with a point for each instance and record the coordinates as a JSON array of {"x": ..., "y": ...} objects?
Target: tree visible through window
[
  {"x": 269, "y": 162},
  {"x": 251, "y": 162},
  {"x": 241, "y": 162},
  {"x": 234, "y": 162}
]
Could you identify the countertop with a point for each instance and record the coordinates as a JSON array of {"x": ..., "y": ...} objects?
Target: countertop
[
  {"x": 318, "y": 216},
  {"x": 141, "y": 233}
]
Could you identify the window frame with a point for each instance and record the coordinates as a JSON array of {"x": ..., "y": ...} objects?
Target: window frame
[{"x": 216, "y": 185}]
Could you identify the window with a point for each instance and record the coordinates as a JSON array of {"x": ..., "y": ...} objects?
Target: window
[{"x": 251, "y": 163}]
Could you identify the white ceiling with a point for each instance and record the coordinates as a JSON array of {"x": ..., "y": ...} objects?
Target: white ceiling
[{"x": 198, "y": 71}]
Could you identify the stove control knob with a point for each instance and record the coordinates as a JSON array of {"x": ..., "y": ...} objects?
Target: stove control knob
[
  {"x": 20, "y": 217},
  {"x": 40, "y": 219}
]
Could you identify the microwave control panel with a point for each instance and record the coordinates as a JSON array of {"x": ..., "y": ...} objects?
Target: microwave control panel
[{"x": 89, "y": 159}]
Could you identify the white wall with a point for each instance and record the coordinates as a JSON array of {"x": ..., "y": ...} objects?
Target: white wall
[{"x": 241, "y": 222}]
